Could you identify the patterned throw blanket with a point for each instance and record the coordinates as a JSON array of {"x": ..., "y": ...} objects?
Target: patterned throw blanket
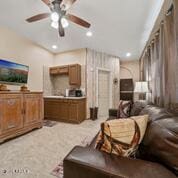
[
  {"x": 110, "y": 142},
  {"x": 122, "y": 136}
]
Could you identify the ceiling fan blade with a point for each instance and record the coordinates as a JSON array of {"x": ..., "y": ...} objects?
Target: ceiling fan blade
[
  {"x": 61, "y": 29},
  {"x": 78, "y": 20},
  {"x": 66, "y": 4},
  {"x": 47, "y": 2},
  {"x": 38, "y": 17}
]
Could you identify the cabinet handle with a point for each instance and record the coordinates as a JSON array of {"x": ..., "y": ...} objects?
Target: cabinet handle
[
  {"x": 10, "y": 102},
  {"x": 11, "y": 126}
]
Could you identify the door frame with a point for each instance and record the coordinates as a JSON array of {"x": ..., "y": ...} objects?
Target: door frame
[{"x": 97, "y": 85}]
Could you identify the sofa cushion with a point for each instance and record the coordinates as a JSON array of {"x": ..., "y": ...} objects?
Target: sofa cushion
[
  {"x": 122, "y": 136},
  {"x": 155, "y": 113},
  {"x": 160, "y": 142},
  {"x": 137, "y": 107}
]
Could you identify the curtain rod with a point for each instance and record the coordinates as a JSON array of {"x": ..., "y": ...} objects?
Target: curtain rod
[{"x": 148, "y": 46}]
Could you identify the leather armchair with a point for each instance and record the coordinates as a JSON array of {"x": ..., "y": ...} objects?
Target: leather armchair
[{"x": 90, "y": 163}]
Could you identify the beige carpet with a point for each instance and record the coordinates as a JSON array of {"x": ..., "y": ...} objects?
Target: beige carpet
[{"x": 40, "y": 151}]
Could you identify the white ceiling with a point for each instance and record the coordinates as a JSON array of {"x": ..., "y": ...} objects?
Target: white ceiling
[{"x": 118, "y": 26}]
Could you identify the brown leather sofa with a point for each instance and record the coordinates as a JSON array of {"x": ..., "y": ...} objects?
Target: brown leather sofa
[{"x": 157, "y": 156}]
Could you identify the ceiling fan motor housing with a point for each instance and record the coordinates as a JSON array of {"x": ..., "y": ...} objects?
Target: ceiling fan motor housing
[{"x": 57, "y": 8}]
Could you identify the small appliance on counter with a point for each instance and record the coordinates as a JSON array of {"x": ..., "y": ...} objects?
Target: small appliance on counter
[
  {"x": 78, "y": 93},
  {"x": 75, "y": 93},
  {"x": 67, "y": 93},
  {"x": 72, "y": 93}
]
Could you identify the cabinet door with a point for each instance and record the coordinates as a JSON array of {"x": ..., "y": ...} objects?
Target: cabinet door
[
  {"x": 51, "y": 109},
  {"x": 33, "y": 108},
  {"x": 75, "y": 75},
  {"x": 64, "y": 70},
  {"x": 11, "y": 113},
  {"x": 73, "y": 112},
  {"x": 64, "y": 110},
  {"x": 54, "y": 70}
]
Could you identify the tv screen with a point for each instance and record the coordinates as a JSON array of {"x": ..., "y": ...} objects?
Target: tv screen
[{"x": 13, "y": 73}]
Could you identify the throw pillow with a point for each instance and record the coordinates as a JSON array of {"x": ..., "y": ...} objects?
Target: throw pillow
[
  {"x": 124, "y": 109},
  {"x": 137, "y": 107},
  {"x": 122, "y": 136}
]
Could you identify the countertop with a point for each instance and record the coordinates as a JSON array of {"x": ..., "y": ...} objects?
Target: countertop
[{"x": 63, "y": 97}]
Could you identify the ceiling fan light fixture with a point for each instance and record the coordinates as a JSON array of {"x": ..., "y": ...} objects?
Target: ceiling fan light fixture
[
  {"x": 64, "y": 22},
  {"x": 55, "y": 25},
  {"x": 55, "y": 17}
]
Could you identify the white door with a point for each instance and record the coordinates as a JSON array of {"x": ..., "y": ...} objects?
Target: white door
[{"x": 103, "y": 93}]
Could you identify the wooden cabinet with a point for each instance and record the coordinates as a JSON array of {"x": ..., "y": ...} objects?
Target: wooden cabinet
[
  {"x": 73, "y": 112},
  {"x": 63, "y": 109},
  {"x": 73, "y": 71},
  {"x": 32, "y": 107},
  {"x": 11, "y": 113},
  {"x": 51, "y": 109},
  {"x": 59, "y": 70},
  {"x": 67, "y": 110},
  {"x": 64, "y": 70},
  {"x": 19, "y": 113},
  {"x": 75, "y": 74},
  {"x": 54, "y": 70}
]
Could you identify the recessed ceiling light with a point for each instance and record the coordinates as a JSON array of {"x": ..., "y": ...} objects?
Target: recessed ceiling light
[
  {"x": 128, "y": 54},
  {"x": 54, "y": 46},
  {"x": 89, "y": 34}
]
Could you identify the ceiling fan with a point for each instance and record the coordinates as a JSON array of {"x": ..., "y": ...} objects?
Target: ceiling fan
[{"x": 59, "y": 15}]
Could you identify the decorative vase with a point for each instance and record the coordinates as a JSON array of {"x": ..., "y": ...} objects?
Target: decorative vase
[
  {"x": 24, "y": 88},
  {"x": 3, "y": 87}
]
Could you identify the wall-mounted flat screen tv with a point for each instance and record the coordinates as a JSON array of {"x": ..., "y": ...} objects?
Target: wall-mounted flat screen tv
[{"x": 13, "y": 73}]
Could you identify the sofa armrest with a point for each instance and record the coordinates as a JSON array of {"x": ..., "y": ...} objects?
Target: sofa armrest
[
  {"x": 90, "y": 163},
  {"x": 112, "y": 113}
]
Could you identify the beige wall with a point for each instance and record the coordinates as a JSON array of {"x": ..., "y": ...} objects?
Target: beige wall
[
  {"x": 130, "y": 69},
  {"x": 60, "y": 83},
  {"x": 15, "y": 48},
  {"x": 68, "y": 57}
]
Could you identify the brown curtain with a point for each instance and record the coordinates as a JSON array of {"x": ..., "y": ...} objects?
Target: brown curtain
[
  {"x": 156, "y": 66},
  {"x": 170, "y": 59},
  {"x": 159, "y": 64},
  {"x": 162, "y": 66}
]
